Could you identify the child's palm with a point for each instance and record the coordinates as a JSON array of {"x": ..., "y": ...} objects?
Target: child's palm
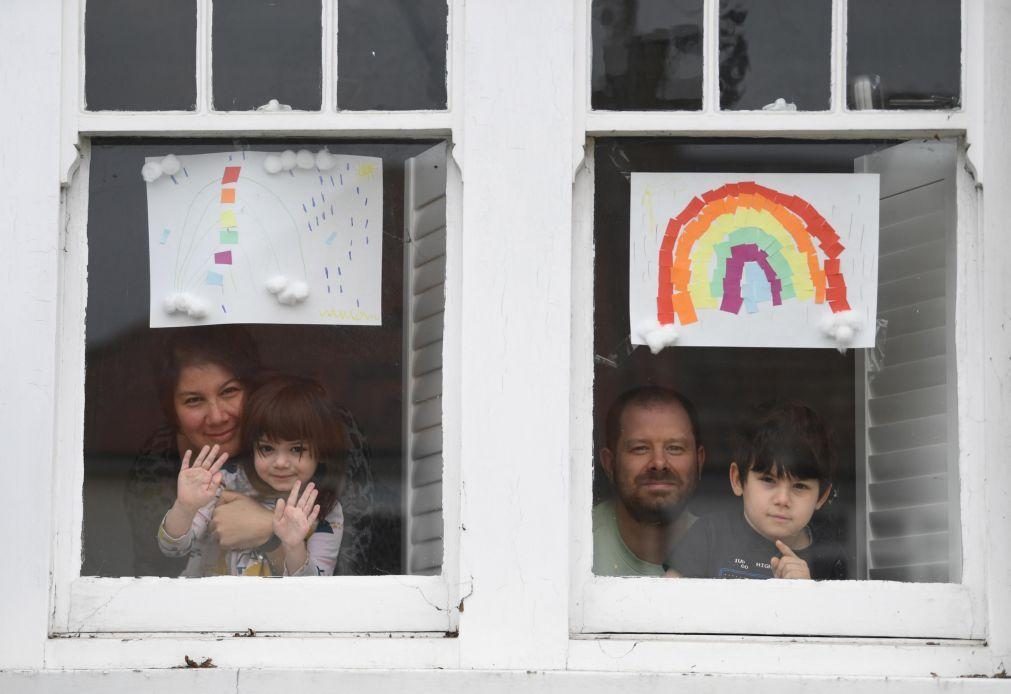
[
  {"x": 198, "y": 484},
  {"x": 295, "y": 518}
]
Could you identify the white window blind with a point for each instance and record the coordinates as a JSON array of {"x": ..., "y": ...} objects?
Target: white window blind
[
  {"x": 424, "y": 304},
  {"x": 910, "y": 407}
]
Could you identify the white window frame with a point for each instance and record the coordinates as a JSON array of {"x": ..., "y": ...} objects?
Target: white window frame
[
  {"x": 517, "y": 432},
  {"x": 605, "y": 607},
  {"x": 416, "y": 605}
]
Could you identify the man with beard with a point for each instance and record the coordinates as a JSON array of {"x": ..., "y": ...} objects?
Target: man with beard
[{"x": 653, "y": 458}]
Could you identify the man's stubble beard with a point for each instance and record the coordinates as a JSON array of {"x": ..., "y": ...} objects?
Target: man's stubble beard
[
  {"x": 663, "y": 514},
  {"x": 660, "y": 513}
]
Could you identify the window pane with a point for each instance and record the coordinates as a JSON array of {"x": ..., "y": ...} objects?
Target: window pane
[
  {"x": 140, "y": 56},
  {"x": 904, "y": 54},
  {"x": 647, "y": 55},
  {"x": 147, "y": 396},
  {"x": 391, "y": 55},
  {"x": 775, "y": 49},
  {"x": 267, "y": 50},
  {"x": 891, "y": 513}
]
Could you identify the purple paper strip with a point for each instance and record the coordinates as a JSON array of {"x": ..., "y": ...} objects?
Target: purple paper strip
[{"x": 740, "y": 255}]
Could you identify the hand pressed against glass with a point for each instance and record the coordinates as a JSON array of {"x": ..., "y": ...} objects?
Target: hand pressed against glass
[
  {"x": 208, "y": 403},
  {"x": 196, "y": 486},
  {"x": 294, "y": 521}
]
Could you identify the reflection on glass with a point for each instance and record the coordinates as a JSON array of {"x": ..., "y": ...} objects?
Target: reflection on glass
[
  {"x": 282, "y": 400},
  {"x": 140, "y": 56},
  {"x": 267, "y": 50},
  {"x": 891, "y": 513},
  {"x": 904, "y": 54},
  {"x": 775, "y": 49},
  {"x": 647, "y": 55},
  {"x": 391, "y": 54}
]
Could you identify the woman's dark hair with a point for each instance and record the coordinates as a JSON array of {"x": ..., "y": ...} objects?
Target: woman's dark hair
[
  {"x": 289, "y": 408},
  {"x": 227, "y": 346},
  {"x": 787, "y": 439}
]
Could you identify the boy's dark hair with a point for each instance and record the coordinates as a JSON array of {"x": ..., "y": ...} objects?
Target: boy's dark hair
[
  {"x": 787, "y": 439},
  {"x": 290, "y": 408},
  {"x": 647, "y": 396}
]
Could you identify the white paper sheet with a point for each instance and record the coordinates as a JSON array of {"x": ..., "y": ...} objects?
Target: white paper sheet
[
  {"x": 707, "y": 248},
  {"x": 322, "y": 229}
]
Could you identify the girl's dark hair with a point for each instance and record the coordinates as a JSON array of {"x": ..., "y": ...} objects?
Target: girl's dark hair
[
  {"x": 787, "y": 439},
  {"x": 227, "y": 346},
  {"x": 289, "y": 408}
]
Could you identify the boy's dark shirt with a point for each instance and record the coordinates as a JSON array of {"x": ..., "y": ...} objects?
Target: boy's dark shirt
[{"x": 723, "y": 545}]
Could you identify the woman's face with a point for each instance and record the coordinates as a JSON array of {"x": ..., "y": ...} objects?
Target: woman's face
[{"x": 208, "y": 405}]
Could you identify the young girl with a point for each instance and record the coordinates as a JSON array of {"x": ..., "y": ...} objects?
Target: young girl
[{"x": 297, "y": 468}]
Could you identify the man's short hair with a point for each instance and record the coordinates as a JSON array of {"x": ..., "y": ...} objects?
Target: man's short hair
[
  {"x": 787, "y": 439},
  {"x": 647, "y": 396}
]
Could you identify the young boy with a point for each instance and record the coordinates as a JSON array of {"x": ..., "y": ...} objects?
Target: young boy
[{"x": 783, "y": 471}]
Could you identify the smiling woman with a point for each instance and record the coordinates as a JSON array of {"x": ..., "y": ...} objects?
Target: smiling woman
[
  {"x": 203, "y": 376},
  {"x": 208, "y": 406}
]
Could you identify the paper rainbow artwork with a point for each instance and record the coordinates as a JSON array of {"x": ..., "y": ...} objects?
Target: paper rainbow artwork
[
  {"x": 265, "y": 237},
  {"x": 737, "y": 260}
]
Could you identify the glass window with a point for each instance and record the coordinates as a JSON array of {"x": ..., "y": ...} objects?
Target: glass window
[
  {"x": 391, "y": 55},
  {"x": 892, "y": 511},
  {"x": 254, "y": 62},
  {"x": 223, "y": 240},
  {"x": 647, "y": 55},
  {"x": 775, "y": 49},
  {"x": 140, "y": 56},
  {"x": 904, "y": 54}
]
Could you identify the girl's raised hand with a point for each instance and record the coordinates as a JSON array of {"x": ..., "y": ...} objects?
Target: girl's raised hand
[
  {"x": 198, "y": 483},
  {"x": 294, "y": 519}
]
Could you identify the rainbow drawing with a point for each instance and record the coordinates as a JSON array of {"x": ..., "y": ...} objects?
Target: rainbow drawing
[
  {"x": 752, "y": 260},
  {"x": 228, "y": 240},
  {"x": 718, "y": 235}
]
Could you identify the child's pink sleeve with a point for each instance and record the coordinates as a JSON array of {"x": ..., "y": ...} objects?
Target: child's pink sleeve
[
  {"x": 181, "y": 546},
  {"x": 324, "y": 545}
]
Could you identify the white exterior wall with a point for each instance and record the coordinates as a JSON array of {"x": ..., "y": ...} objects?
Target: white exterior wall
[{"x": 512, "y": 398}]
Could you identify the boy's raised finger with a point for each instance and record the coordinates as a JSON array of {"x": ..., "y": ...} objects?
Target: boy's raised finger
[{"x": 785, "y": 549}]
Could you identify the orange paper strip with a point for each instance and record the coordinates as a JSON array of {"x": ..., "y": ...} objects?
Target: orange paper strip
[{"x": 684, "y": 308}]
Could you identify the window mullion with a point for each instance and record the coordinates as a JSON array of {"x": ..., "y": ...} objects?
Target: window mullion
[
  {"x": 204, "y": 76},
  {"x": 711, "y": 56},
  {"x": 329, "y": 52},
  {"x": 838, "y": 59}
]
